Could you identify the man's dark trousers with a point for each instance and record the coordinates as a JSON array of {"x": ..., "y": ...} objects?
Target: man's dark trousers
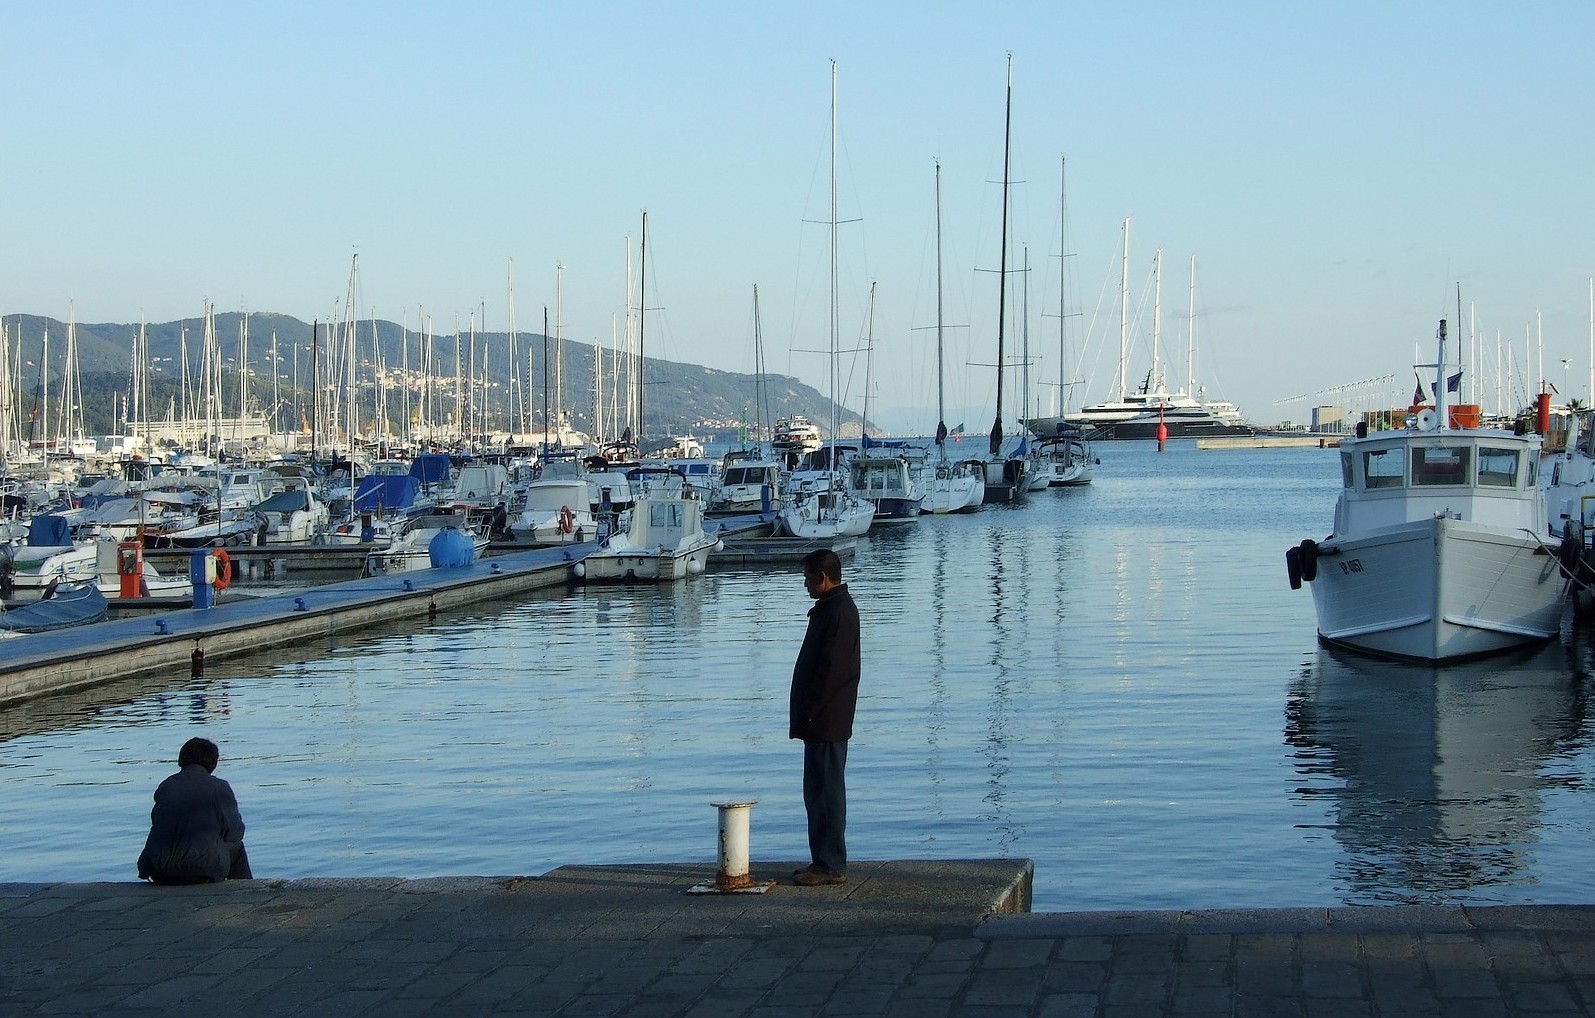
[{"x": 825, "y": 800}]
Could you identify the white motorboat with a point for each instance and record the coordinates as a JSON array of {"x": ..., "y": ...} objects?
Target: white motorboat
[
  {"x": 660, "y": 539},
  {"x": 556, "y": 511},
  {"x": 294, "y": 516},
  {"x": 887, "y": 475},
  {"x": 796, "y": 436},
  {"x": 747, "y": 485},
  {"x": 1439, "y": 549}
]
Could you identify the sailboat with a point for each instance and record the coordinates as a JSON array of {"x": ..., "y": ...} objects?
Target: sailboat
[
  {"x": 1062, "y": 447},
  {"x": 822, "y": 506},
  {"x": 1005, "y": 475},
  {"x": 951, "y": 487}
]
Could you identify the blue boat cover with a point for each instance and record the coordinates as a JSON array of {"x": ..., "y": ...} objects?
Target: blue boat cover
[
  {"x": 288, "y": 501},
  {"x": 430, "y": 467},
  {"x": 384, "y": 492},
  {"x": 71, "y": 606},
  {"x": 49, "y": 531}
]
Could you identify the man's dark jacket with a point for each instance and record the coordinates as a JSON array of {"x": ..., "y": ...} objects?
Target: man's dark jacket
[
  {"x": 825, "y": 679},
  {"x": 194, "y": 819}
]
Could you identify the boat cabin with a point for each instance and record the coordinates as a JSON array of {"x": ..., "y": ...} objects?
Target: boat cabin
[{"x": 1395, "y": 477}]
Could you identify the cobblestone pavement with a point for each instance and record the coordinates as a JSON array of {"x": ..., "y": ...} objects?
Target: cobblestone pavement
[{"x": 900, "y": 939}]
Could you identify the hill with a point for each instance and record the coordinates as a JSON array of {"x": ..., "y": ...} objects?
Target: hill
[{"x": 678, "y": 398}]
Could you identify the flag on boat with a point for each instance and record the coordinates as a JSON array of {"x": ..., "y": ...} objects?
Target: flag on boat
[
  {"x": 1454, "y": 383},
  {"x": 957, "y": 431},
  {"x": 1417, "y": 394}
]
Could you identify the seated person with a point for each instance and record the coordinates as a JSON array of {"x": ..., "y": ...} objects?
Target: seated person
[{"x": 196, "y": 832}]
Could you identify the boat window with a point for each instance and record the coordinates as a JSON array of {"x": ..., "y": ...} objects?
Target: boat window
[
  {"x": 664, "y": 514},
  {"x": 1346, "y": 478},
  {"x": 1439, "y": 465},
  {"x": 1381, "y": 469},
  {"x": 1498, "y": 467}
]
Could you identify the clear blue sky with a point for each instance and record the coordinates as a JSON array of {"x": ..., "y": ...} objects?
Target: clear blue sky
[{"x": 1336, "y": 169}]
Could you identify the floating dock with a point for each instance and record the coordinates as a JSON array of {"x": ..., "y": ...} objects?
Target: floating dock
[
  {"x": 753, "y": 551},
  {"x": 1271, "y": 442},
  {"x": 43, "y": 663}
]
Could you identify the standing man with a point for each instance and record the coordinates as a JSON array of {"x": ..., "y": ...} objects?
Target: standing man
[{"x": 824, "y": 695}]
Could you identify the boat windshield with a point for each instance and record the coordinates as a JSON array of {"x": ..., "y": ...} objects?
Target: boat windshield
[
  {"x": 1381, "y": 470},
  {"x": 1437, "y": 465},
  {"x": 1498, "y": 467}
]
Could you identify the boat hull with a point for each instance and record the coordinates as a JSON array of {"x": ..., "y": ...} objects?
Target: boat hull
[
  {"x": 1437, "y": 590},
  {"x": 1147, "y": 428},
  {"x": 644, "y": 565}
]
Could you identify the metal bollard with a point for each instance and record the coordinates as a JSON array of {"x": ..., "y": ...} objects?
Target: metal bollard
[
  {"x": 733, "y": 871},
  {"x": 733, "y": 877}
]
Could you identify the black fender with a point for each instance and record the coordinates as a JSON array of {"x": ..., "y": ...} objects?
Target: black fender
[
  {"x": 1309, "y": 559},
  {"x": 1293, "y": 567}
]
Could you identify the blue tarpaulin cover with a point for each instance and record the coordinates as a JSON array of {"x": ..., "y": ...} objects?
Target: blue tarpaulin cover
[
  {"x": 49, "y": 531},
  {"x": 385, "y": 492},
  {"x": 430, "y": 467}
]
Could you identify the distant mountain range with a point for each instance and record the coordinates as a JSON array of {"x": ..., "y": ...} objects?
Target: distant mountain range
[{"x": 679, "y": 398}]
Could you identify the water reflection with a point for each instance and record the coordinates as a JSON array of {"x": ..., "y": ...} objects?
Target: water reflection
[{"x": 1436, "y": 776}]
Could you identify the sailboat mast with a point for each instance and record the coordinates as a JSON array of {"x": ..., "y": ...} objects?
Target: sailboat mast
[
  {"x": 1024, "y": 336},
  {"x": 1124, "y": 315},
  {"x": 1063, "y": 277},
  {"x": 761, "y": 394},
  {"x": 1002, "y": 269},
  {"x": 1157, "y": 322},
  {"x": 642, "y": 321},
  {"x": 545, "y": 383},
  {"x": 835, "y": 317},
  {"x": 869, "y": 369},
  {"x": 559, "y": 347},
  {"x": 941, "y": 401},
  {"x": 1190, "y": 328}
]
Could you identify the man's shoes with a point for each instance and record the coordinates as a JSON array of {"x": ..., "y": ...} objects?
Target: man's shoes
[{"x": 812, "y": 877}]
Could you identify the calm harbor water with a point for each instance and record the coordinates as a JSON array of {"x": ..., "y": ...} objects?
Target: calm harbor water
[{"x": 1115, "y": 681}]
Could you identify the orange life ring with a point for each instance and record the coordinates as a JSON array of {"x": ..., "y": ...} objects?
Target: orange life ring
[
  {"x": 224, "y": 570},
  {"x": 567, "y": 520}
]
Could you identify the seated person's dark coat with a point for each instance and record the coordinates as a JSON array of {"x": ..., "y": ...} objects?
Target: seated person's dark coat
[{"x": 196, "y": 831}]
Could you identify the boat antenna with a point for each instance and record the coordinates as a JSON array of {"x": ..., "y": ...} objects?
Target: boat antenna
[{"x": 1002, "y": 270}]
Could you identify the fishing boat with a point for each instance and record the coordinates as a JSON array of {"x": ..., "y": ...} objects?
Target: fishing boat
[{"x": 1439, "y": 550}]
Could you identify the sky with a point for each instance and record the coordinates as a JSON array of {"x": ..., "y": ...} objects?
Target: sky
[{"x": 1337, "y": 171}]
